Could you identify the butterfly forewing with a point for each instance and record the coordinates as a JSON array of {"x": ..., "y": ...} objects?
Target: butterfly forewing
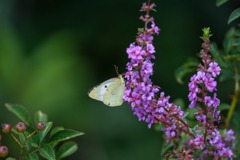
[
  {"x": 114, "y": 93},
  {"x": 98, "y": 91}
]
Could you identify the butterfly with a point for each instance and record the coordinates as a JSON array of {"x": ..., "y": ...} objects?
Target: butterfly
[{"x": 110, "y": 92}]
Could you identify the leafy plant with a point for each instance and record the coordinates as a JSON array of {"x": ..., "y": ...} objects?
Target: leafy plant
[{"x": 32, "y": 138}]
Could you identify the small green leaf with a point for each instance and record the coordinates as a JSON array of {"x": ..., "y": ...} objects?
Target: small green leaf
[
  {"x": 40, "y": 116},
  {"x": 234, "y": 15},
  {"x": 185, "y": 114},
  {"x": 67, "y": 149},
  {"x": 10, "y": 158},
  {"x": 223, "y": 106},
  {"x": 181, "y": 72},
  {"x": 225, "y": 76},
  {"x": 153, "y": 10},
  {"x": 29, "y": 140},
  {"x": 42, "y": 133},
  {"x": 32, "y": 156},
  {"x": 220, "y": 2},
  {"x": 47, "y": 152},
  {"x": 166, "y": 147},
  {"x": 192, "y": 131},
  {"x": 56, "y": 129},
  {"x": 63, "y": 135},
  {"x": 200, "y": 132},
  {"x": 20, "y": 112}
]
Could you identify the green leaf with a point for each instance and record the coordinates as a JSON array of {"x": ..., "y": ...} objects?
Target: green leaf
[
  {"x": 63, "y": 135},
  {"x": 56, "y": 129},
  {"x": 214, "y": 50},
  {"x": 181, "y": 72},
  {"x": 185, "y": 114},
  {"x": 67, "y": 149},
  {"x": 47, "y": 152},
  {"x": 179, "y": 102},
  {"x": 230, "y": 33},
  {"x": 220, "y": 2},
  {"x": 10, "y": 158},
  {"x": 34, "y": 141},
  {"x": 29, "y": 140},
  {"x": 237, "y": 33},
  {"x": 166, "y": 147},
  {"x": 191, "y": 111},
  {"x": 225, "y": 76},
  {"x": 32, "y": 156},
  {"x": 236, "y": 42},
  {"x": 227, "y": 44},
  {"x": 192, "y": 131},
  {"x": 20, "y": 112},
  {"x": 42, "y": 133},
  {"x": 40, "y": 116},
  {"x": 233, "y": 56},
  {"x": 234, "y": 15},
  {"x": 223, "y": 106}
]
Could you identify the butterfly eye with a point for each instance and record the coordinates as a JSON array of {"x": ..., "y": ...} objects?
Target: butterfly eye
[{"x": 105, "y": 86}]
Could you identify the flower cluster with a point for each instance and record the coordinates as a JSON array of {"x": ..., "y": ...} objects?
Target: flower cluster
[
  {"x": 140, "y": 91},
  {"x": 202, "y": 83}
]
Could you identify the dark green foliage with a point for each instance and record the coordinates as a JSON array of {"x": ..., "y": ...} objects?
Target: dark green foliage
[{"x": 37, "y": 141}]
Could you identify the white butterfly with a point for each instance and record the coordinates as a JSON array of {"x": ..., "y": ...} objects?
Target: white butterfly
[{"x": 110, "y": 92}]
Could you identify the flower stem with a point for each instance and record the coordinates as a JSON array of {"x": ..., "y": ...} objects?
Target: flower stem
[
  {"x": 15, "y": 138},
  {"x": 23, "y": 146},
  {"x": 32, "y": 133}
]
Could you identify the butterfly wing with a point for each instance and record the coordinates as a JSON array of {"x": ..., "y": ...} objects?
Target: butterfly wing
[
  {"x": 114, "y": 93},
  {"x": 98, "y": 91}
]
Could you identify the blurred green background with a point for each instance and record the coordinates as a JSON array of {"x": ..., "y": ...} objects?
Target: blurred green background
[{"x": 52, "y": 52}]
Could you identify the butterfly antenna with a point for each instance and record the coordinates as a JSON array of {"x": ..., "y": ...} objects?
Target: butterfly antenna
[{"x": 116, "y": 68}]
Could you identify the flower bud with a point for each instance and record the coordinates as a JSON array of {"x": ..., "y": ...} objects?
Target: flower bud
[
  {"x": 3, "y": 151},
  {"x": 41, "y": 125},
  {"x": 21, "y": 126},
  {"x": 6, "y": 128}
]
